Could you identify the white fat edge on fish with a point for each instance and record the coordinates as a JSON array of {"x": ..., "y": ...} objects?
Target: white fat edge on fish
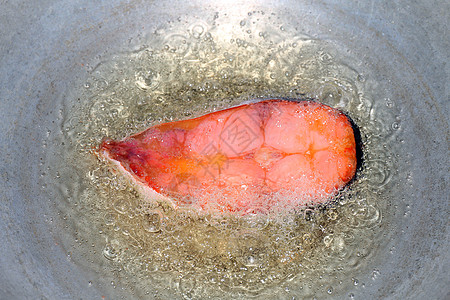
[{"x": 149, "y": 194}]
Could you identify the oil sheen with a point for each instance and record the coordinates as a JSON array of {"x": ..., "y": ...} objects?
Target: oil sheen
[{"x": 188, "y": 68}]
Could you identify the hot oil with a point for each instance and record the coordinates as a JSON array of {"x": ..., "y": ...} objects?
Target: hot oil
[{"x": 187, "y": 69}]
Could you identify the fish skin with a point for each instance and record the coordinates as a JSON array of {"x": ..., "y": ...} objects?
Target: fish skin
[{"x": 272, "y": 153}]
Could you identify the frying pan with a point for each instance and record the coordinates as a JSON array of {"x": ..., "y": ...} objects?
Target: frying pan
[{"x": 48, "y": 48}]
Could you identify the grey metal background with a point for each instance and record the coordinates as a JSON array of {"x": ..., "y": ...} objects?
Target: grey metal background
[{"x": 42, "y": 44}]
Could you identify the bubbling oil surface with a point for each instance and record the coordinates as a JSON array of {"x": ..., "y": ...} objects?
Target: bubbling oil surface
[{"x": 187, "y": 69}]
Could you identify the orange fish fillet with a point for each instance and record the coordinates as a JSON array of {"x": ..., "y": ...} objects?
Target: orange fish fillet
[{"x": 273, "y": 153}]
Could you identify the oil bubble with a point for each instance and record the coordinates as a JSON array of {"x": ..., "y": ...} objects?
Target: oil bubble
[
  {"x": 167, "y": 225},
  {"x": 380, "y": 173},
  {"x": 197, "y": 31},
  {"x": 122, "y": 205},
  {"x": 188, "y": 283},
  {"x": 257, "y": 218},
  {"x": 148, "y": 79},
  {"x": 328, "y": 239},
  {"x": 375, "y": 274},
  {"x": 110, "y": 218},
  {"x": 152, "y": 221},
  {"x": 250, "y": 249},
  {"x": 110, "y": 252},
  {"x": 363, "y": 215},
  {"x": 337, "y": 244},
  {"x": 395, "y": 126}
]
